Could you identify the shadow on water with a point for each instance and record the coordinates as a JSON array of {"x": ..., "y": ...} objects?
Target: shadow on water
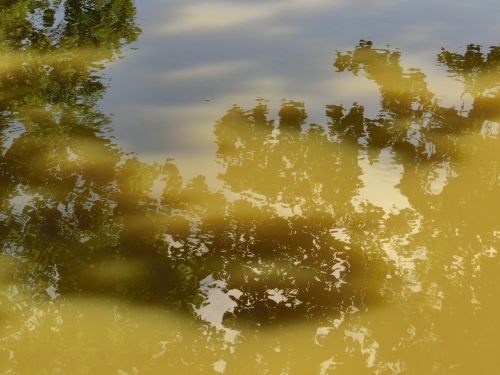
[{"x": 284, "y": 236}]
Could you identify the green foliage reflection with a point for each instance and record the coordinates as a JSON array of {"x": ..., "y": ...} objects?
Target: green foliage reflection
[{"x": 286, "y": 231}]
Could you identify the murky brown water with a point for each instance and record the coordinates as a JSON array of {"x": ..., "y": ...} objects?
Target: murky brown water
[{"x": 285, "y": 236}]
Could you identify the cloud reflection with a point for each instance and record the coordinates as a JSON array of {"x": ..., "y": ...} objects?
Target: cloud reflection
[{"x": 218, "y": 15}]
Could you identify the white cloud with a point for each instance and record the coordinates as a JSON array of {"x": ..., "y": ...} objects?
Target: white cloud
[
  {"x": 217, "y": 15},
  {"x": 204, "y": 71}
]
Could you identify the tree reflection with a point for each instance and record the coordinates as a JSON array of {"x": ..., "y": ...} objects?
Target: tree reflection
[{"x": 285, "y": 235}]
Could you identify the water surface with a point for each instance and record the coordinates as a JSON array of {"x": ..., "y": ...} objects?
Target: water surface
[{"x": 276, "y": 187}]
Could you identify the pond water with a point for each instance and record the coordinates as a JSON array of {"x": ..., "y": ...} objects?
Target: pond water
[{"x": 251, "y": 187}]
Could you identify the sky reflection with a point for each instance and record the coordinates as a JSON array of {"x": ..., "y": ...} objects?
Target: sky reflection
[{"x": 232, "y": 52}]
